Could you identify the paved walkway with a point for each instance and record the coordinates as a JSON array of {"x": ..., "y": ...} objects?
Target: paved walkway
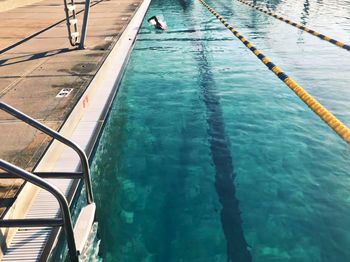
[
  {"x": 35, "y": 67},
  {"x": 6, "y": 5}
]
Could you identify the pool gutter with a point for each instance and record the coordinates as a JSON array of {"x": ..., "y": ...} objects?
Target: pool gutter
[{"x": 83, "y": 127}]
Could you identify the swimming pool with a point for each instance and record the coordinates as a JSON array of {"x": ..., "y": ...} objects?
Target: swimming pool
[{"x": 207, "y": 156}]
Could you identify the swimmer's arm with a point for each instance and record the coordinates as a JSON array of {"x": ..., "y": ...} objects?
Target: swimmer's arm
[{"x": 153, "y": 17}]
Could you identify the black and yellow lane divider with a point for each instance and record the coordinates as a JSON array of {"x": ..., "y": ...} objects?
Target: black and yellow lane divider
[
  {"x": 301, "y": 27},
  {"x": 342, "y": 130}
]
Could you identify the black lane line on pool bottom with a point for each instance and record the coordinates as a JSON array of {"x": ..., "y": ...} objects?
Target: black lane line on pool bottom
[
  {"x": 237, "y": 247},
  {"x": 231, "y": 221}
]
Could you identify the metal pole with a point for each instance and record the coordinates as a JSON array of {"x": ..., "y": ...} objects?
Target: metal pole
[
  {"x": 83, "y": 159},
  {"x": 85, "y": 24},
  {"x": 67, "y": 222}
]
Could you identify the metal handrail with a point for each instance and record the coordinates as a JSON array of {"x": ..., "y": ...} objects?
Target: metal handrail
[
  {"x": 65, "y": 212},
  {"x": 52, "y": 133}
]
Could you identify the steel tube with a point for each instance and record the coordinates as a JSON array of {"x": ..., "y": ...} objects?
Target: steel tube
[
  {"x": 52, "y": 133},
  {"x": 57, "y": 175},
  {"x": 65, "y": 212}
]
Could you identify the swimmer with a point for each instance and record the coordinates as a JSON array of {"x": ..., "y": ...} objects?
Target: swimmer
[{"x": 154, "y": 20}]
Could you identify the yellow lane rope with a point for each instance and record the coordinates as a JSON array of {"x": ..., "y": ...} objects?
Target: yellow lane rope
[
  {"x": 342, "y": 130},
  {"x": 301, "y": 27}
]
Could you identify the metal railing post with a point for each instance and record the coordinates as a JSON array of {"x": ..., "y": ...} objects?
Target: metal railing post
[
  {"x": 85, "y": 24},
  {"x": 65, "y": 212}
]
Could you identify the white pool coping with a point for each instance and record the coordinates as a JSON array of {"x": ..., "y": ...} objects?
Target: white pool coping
[{"x": 81, "y": 127}]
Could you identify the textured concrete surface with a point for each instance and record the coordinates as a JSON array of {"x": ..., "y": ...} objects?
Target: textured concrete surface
[
  {"x": 35, "y": 67},
  {"x": 6, "y": 5}
]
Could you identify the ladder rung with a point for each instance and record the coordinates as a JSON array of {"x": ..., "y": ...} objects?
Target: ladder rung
[
  {"x": 62, "y": 175},
  {"x": 71, "y": 7},
  {"x": 73, "y": 21},
  {"x": 74, "y": 35},
  {"x": 35, "y": 222}
]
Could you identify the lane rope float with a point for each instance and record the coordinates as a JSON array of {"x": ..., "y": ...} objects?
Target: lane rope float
[
  {"x": 301, "y": 27},
  {"x": 341, "y": 129}
]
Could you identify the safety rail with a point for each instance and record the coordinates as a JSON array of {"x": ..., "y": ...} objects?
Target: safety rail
[
  {"x": 37, "y": 179},
  {"x": 65, "y": 221},
  {"x": 301, "y": 27},
  {"x": 53, "y": 134},
  {"x": 332, "y": 121}
]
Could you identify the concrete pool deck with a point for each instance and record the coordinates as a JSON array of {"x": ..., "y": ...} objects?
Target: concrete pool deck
[{"x": 35, "y": 67}]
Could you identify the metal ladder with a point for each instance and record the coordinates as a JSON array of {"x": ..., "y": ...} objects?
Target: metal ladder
[
  {"x": 72, "y": 23},
  {"x": 77, "y": 237}
]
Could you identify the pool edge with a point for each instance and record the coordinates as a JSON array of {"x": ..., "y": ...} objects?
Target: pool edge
[{"x": 83, "y": 124}]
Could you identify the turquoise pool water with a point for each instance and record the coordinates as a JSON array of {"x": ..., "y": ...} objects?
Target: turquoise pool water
[{"x": 207, "y": 156}]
